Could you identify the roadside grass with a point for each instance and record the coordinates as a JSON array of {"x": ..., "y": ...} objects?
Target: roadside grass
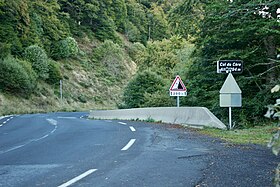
[{"x": 255, "y": 135}]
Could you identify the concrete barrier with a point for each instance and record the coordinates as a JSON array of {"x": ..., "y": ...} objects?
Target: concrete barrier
[{"x": 193, "y": 116}]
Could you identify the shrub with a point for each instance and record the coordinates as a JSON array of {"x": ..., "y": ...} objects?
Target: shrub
[
  {"x": 132, "y": 32},
  {"x": 137, "y": 52},
  {"x": 16, "y": 77},
  {"x": 65, "y": 48},
  {"x": 30, "y": 72},
  {"x": 160, "y": 98},
  {"x": 54, "y": 73},
  {"x": 5, "y": 50},
  {"x": 143, "y": 83},
  {"x": 39, "y": 60}
]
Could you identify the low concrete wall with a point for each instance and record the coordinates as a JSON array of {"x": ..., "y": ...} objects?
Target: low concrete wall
[{"x": 195, "y": 116}]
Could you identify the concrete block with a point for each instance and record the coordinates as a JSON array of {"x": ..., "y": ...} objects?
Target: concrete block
[{"x": 194, "y": 116}]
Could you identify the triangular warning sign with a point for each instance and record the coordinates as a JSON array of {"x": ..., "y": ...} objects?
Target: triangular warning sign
[{"x": 177, "y": 85}]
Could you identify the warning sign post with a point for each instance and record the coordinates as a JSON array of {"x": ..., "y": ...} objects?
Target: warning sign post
[{"x": 178, "y": 89}]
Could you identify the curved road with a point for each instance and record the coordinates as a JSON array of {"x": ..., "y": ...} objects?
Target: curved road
[{"x": 67, "y": 149}]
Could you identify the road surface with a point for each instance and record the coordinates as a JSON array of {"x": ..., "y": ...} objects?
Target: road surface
[{"x": 67, "y": 149}]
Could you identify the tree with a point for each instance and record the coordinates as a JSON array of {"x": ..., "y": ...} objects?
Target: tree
[
  {"x": 16, "y": 77},
  {"x": 158, "y": 26},
  {"x": 38, "y": 59},
  {"x": 49, "y": 15},
  {"x": 14, "y": 24},
  {"x": 163, "y": 56},
  {"x": 184, "y": 18},
  {"x": 65, "y": 48},
  {"x": 143, "y": 83},
  {"x": 235, "y": 30},
  {"x": 136, "y": 15}
]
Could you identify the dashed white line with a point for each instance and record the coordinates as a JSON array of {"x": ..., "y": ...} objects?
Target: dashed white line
[
  {"x": 132, "y": 129},
  {"x": 6, "y": 121},
  {"x": 76, "y": 179},
  {"x": 122, "y": 123},
  {"x": 128, "y": 145}
]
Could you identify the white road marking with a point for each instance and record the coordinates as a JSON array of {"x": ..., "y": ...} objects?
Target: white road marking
[
  {"x": 61, "y": 117},
  {"x": 51, "y": 121},
  {"x": 122, "y": 123},
  {"x": 128, "y": 145},
  {"x": 76, "y": 179},
  {"x": 6, "y": 121},
  {"x": 132, "y": 129}
]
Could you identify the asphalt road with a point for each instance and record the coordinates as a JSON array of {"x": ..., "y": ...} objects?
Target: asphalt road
[{"x": 67, "y": 149}]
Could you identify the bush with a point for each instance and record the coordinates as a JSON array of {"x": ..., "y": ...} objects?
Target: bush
[
  {"x": 137, "y": 52},
  {"x": 143, "y": 83},
  {"x": 5, "y": 50},
  {"x": 160, "y": 98},
  {"x": 30, "y": 72},
  {"x": 39, "y": 60},
  {"x": 16, "y": 77},
  {"x": 65, "y": 48},
  {"x": 132, "y": 32},
  {"x": 54, "y": 73}
]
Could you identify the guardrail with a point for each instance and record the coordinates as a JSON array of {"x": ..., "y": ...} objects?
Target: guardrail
[{"x": 191, "y": 116}]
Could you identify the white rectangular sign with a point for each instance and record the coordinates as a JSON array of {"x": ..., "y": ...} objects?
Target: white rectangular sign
[{"x": 178, "y": 93}]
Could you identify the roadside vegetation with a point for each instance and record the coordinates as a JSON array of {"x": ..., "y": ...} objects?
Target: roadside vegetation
[
  {"x": 125, "y": 53},
  {"x": 254, "y": 135}
]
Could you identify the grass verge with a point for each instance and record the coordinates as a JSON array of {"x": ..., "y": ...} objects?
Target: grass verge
[{"x": 256, "y": 135}]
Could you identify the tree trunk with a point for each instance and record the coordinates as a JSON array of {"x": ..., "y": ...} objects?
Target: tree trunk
[{"x": 271, "y": 51}]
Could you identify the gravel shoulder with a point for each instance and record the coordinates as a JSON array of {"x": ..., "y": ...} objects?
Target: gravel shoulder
[{"x": 230, "y": 164}]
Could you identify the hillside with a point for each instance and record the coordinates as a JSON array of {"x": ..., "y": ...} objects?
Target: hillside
[
  {"x": 84, "y": 86},
  {"x": 84, "y": 42}
]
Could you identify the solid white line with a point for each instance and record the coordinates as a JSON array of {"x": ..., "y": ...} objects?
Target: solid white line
[
  {"x": 60, "y": 117},
  {"x": 132, "y": 129},
  {"x": 76, "y": 179},
  {"x": 122, "y": 123},
  {"x": 128, "y": 145}
]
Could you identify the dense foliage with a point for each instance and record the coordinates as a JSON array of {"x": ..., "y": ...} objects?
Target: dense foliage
[
  {"x": 16, "y": 77},
  {"x": 145, "y": 82},
  {"x": 39, "y": 60},
  {"x": 65, "y": 48},
  {"x": 245, "y": 30},
  {"x": 162, "y": 37}
]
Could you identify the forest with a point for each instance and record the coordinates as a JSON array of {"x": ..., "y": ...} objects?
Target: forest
[{"x": 126, "y": 53}]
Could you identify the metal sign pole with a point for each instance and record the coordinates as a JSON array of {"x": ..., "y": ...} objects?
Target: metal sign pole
[
  {"x": 230, "y": 126},
  {"x": 60, "y": 90},
  {"x": 178, "y": 101}
]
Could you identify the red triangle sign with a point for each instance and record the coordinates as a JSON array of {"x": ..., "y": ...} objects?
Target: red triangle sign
[{"x": 178, "y": 85}]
